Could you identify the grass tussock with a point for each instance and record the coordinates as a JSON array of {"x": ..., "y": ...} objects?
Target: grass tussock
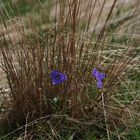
[{"x": 38, "y": 109}]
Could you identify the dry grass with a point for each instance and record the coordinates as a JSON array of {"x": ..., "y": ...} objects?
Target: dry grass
[{"x": 74, "y": 50}]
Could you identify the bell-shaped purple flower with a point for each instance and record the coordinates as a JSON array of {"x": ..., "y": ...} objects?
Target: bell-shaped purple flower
[
  {"x": 99, "y": 77},
  {"x": 57, "y": 77}
]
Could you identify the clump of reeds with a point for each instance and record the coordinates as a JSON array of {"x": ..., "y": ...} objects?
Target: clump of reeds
[{"x": 66, "y": 47}]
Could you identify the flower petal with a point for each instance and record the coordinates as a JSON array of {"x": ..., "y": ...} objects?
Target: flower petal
[
  {"x": 95, "y": 72},
  {"x": 102, "y": 76},
  {"x": 99, "y": 84}
]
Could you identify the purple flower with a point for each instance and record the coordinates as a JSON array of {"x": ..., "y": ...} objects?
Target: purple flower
[
  {"x": 99, "y": 77},
  {"x": 57, "y": 77}
]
